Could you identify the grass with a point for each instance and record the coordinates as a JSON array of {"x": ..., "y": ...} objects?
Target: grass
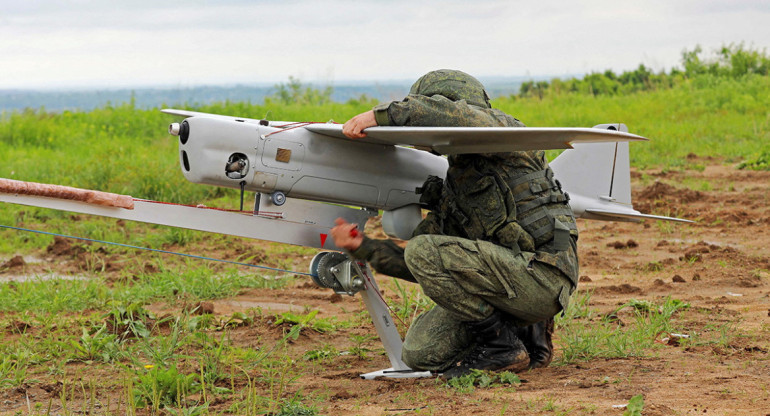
[
  {"x": 631, "y": 330},
  {"x": 170, "y": 285},
  {"x": 173, "y": 365},
  {"x": 71, "y": 333},
  {"x": 708, "y": 116}
]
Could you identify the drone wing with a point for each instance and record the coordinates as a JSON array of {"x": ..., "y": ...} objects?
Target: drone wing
[
  {"x": 454, "y": 140},
  {"x": 186, "y": 113}
]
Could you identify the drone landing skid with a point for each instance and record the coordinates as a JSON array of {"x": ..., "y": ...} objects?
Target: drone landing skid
[
  {"x": 391, "y": 373},
  {"x": 386, "y": 329},
  {"x": 347, "y": 276}
]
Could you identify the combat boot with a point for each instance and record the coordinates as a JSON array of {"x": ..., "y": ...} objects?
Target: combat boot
[
  {"x": 537, "y": 339},
  {"x": 497, "y": 348}
]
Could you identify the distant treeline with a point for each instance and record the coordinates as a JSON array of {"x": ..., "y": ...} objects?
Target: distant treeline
[
  {"x": 85, "y": 100},
  {"x": 731, "y": 61}
]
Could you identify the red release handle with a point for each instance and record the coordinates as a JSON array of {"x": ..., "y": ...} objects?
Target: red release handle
[{"x": 354, "y": 233}]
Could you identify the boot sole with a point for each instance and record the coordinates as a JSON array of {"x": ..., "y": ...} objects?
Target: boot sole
[{"x": 517, "y": 366}]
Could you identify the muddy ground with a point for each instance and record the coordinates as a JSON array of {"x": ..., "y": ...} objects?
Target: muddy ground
[{"x": 720, "y": 266}]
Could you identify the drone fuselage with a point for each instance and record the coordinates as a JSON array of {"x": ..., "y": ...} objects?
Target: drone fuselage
[{"x": 302, "y": 164}]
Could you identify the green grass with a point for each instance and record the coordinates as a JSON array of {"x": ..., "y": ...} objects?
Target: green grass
[
  {"x": 707, "y": 116},
  {"x": 172, "y": 286},
  {"x": 584, "y": 335},
  {"x": 127, "y": 150},
  {"x": 175, "y": 364},
  {"x": 179, "y": 364}
]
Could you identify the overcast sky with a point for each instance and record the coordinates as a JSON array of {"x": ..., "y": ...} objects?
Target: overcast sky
[{"x": 97, "y": 43}]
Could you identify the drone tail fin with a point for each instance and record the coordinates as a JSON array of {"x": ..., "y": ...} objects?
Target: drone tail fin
[{"x": 598, "y": 177}]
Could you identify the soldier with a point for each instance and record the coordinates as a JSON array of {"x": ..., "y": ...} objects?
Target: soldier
[{"x": 497, "y": 251}]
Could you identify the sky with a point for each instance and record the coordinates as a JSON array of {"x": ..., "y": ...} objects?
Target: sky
[{"x": 48, "y": 44}]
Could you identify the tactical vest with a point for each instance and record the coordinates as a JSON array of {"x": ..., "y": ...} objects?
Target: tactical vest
[
  {"x": 528, "y": 212},
  {"x": 542, "y": 209}
]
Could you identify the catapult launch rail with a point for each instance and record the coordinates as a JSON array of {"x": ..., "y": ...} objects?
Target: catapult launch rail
[
  {"x": 293, "y": 224},
  {"x": 302, "y": 224}
]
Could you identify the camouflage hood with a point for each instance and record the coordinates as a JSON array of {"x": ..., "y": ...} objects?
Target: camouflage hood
[{"x": 453, "y": 84}]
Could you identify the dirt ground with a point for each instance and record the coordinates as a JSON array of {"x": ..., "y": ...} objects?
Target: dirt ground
[{"x": 720, "y": 265}]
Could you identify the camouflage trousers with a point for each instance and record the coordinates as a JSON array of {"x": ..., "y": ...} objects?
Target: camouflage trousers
[{"x": 468, "y": 280}]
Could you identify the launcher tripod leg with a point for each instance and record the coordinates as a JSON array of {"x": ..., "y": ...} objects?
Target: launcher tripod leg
[{"x": 386, "y": 329}]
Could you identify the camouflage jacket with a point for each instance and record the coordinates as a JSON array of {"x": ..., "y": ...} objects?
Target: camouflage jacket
[{"x": 476, "y": 200}]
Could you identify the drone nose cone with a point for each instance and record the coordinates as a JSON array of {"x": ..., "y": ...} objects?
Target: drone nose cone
[{"x": 173, "y": 129}]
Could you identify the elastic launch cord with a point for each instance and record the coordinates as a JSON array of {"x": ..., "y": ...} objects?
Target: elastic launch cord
[
  {"x": 379, "y": 295},
  {"x": 287, "y": 128},
  {"x": 295, "y": 125},
  {"x": 156, "y": 250},
  {"x": 272, "y": 214}
]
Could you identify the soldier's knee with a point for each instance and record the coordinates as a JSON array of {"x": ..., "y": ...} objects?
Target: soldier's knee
[
  {"x": 420, "y": 252},
  {"x": 427, "y": 359},
  {"x": 413, "y": 359}
]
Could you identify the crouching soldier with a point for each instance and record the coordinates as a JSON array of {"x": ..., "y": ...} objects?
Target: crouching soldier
[{"x": 497, "y": 252}]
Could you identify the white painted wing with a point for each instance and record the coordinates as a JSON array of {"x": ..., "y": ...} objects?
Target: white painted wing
[
  {"x": 307, "y": 223},
  {"x": 454, "y": 140},
  {"x": 186, "y": 113},
  {"x": 628, "y": 214}
]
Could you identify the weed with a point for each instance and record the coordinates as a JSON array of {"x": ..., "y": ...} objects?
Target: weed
[
  {"x": 578, "y": 308},
  {"x": 324, "y": 353},
  {"x": 164, "y": 349},
  {"x": 128, "y": 320},
  {"x": 759, "y": 161},
  {"x": 278, "y": 376},
  {"x": 190, "y": 411},
  {"x": 507, "y": 377},
  {"x": 200, "y": 322},
  {"x": 301, "y": 321},
  {"x": 583, "y": 341},
  {"x": 550, "y": 404},
  {"x": 161, "y": 387},
  {"x": 13, "y": 372},
  {"x": 211, "y": 358},
  {"x": 101, "y": 345},
  {"x": 654, "y": 266},
  {"x": 255, "y": 403},
  {"x": 359, "y": 340},
  {"x": 236, "y": 319},
  {"x": 413, "y": 302},
  {"x": 720, "y": 334},
  {"x": 482, "y": 379},
  {"x": 635, "y": 406},
  {"x": 293, "y": 408}
]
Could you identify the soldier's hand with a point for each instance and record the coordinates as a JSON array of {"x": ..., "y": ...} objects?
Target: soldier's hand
[
  {"x": 346, "y": 235},
  {"x": 354, "y": 128}
]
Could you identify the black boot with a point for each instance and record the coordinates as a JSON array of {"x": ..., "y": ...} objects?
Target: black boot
[
  {"x": 497, "y": 348},
  {"x": 537, "y": 340}
]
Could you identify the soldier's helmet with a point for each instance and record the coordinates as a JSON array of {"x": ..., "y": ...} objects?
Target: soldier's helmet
[{"x": 453, "y": 84}]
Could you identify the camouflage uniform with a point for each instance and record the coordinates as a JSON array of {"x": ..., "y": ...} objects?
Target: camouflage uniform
[{"x": 499, "y": 235}]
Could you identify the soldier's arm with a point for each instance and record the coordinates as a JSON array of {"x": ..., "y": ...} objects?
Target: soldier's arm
[
  {"x": 437, "y": 111},
  {"x": 385, "y": 256},
  {"x": 354, "y": 128}
]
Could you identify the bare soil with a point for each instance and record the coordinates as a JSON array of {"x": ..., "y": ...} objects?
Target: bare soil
[{"x": 720, "y": 265}]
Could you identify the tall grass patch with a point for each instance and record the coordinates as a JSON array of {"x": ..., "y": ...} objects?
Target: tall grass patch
[
  {"x": 585, "y": 335},
  {"x": 707, "y": 116}
]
